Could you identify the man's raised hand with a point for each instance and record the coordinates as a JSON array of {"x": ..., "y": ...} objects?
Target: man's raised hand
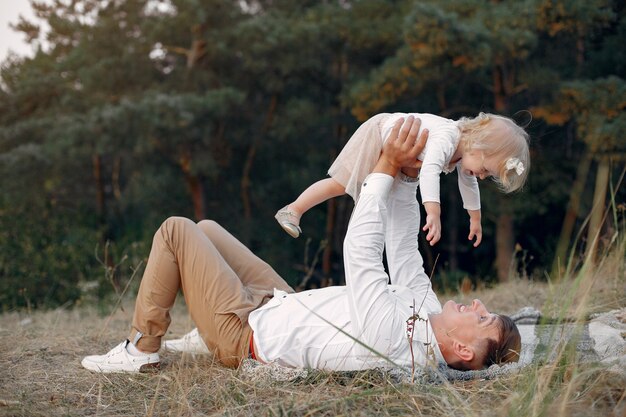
[{"x": 402, "y": 147}]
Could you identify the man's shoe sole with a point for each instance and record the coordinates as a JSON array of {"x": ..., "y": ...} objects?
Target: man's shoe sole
[{"x": 150, "y": 368}]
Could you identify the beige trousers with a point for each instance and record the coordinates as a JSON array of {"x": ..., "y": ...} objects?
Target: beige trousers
[{"x": 222, "y": 282}]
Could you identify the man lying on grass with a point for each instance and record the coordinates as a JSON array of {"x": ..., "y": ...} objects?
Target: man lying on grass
[{"x": 243, "y": 308}]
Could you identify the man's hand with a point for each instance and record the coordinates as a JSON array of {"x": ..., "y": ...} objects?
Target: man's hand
[
  {"x": 402, "y": 147},
  {"x": 476, "y": 229},
  {"x": 433, "y": 222}
]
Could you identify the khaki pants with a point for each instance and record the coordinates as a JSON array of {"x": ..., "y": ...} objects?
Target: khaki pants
[{"x": 221, "y": 279}]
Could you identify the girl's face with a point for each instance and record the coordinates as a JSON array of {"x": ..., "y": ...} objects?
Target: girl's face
[{"x": 474, "y": 163}]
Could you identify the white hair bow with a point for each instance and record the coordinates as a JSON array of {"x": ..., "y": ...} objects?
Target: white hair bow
[{"x": 514, "y": 163}]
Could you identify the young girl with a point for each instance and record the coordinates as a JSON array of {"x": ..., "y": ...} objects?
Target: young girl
[{"x": 485, "y": 146}]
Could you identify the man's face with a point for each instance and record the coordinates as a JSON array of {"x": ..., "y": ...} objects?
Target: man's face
[{"x": 469, "y": 324}]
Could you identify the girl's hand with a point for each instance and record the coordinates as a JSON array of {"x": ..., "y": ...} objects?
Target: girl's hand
[
  {"x": 476, "y": 231},
  {"x": 433, "y": 225}
]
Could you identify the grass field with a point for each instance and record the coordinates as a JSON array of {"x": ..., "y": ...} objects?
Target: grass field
[{"x": 41, "y": 375}]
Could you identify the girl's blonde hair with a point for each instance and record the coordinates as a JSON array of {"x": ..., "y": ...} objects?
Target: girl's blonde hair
[{"x": 501, "y": 138}]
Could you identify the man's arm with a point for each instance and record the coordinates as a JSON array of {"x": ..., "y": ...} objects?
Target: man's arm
[
  {"x": 406, "y": 266},
  {"x": 369, "y": 301}
]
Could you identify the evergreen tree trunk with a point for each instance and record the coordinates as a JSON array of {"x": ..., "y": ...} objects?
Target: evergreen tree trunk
[
  {"x": 504, "y": 245},
  {"x": 195, "y": 186},
  {"x": 573, "y": 208},
  {"x": 328, "y": 249},
  {"x": 247, "y": 166},
  {"x": 340, "y": 71},
  {"x": 115, "y": 178},
  {"x": 452, "y": 228},
  {"x": 597, "y": 211},
  {"x": 105, "y": 234},
  {"x": 502, "y": 81},
  {"x": 452, "y": 218},
  {"x": 97, "y": 175},
  {"x": 194, "y": 182},
  {"x": 343, "y": 212},
  {"x": 331, "y": 222}
]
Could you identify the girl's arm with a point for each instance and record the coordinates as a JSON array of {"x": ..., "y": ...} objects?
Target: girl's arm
[
  {"x": 476, "y": 229},
  {"x": 470, "y": 194},
  {"x": 433, "y": 222},
  {"x": 438, "y": 152},
  {"x": 468, "y": 187}
]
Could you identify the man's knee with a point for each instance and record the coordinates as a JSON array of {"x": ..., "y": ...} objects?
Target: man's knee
[
  {"x": 177, "y": 221},
  {"x": 174, "y": 228},
  {"x": 209, "y": 224},
  {"x": 209, "y": 227}
]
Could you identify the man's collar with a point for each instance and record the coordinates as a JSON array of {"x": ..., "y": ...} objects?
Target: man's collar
[{"x": 435, "y": 347}]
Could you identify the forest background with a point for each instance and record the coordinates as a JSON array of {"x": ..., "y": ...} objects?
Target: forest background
[{"x": 133, "y": 111}]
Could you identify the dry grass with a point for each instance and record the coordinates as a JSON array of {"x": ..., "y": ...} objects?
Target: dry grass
[
  {"x": 41, "y": 375},
  {"x": 599, "y": 289}
]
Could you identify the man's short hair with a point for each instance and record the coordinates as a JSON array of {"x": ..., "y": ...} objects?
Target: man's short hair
[{"x": 508, "y": 346}]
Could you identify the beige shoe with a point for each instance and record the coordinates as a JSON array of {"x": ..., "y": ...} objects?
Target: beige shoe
[{"x": 289, "y": 221}]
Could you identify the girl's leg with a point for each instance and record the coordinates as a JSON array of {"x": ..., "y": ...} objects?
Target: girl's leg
[
  {"x": 316, "y": 193},
  {"x": 182, "y": 256},
  {"x": 289, "y": 216}
]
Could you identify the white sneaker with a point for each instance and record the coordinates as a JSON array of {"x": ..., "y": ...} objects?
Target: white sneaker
[
  {"x": 190, "y": 343},
  {"x": 119, "y": 360}
]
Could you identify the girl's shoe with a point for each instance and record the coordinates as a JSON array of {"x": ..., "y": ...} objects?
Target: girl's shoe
[{"x": 289, "y": 221}]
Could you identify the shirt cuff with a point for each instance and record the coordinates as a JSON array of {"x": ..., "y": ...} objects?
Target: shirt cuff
[
  {"x": 377, "y": 184},
  {"x": 471, "y": 207},
  {"x": 405, "y": 178}
]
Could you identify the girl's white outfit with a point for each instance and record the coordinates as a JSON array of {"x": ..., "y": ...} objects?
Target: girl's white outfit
[{"x": 358, "y": 158}]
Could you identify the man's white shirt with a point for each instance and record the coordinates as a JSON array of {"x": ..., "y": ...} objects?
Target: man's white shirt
[{"x": 363, "y": 324}]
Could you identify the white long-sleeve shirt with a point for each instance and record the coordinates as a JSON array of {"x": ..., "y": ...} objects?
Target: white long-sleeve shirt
[
  {"x": 318, "y": 328},
  {"x": 443, "y": 140}
]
